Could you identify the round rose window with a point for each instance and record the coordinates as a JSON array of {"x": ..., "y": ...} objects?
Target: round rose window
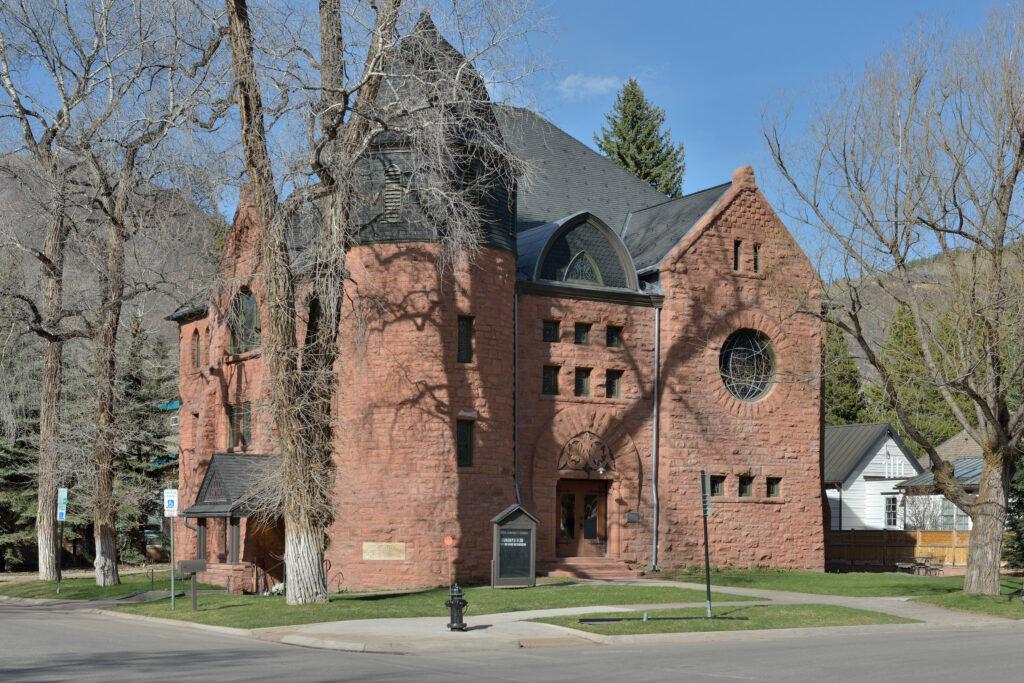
[{"x": 747, "y": 364}]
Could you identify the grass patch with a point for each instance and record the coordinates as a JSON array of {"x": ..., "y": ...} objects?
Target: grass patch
[
  {"x": 85, "y": 588},
  {"x": 860, "y": 584},
  {"x": 1007, "y": 605},
  {"x": 729, "y": 619},
  {"x": 262, "y": 611}
]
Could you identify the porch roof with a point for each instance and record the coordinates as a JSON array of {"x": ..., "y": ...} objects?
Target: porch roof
[
  {"x": 229, "y": 478},
  {"x": 966, "y": 470}
]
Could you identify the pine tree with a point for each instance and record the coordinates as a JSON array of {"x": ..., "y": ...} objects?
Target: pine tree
[
  {"x": 144, "y": 460},
  {"x": 634, "y": 140},
  {"x": 901, "y": 353},
  {"x": 842, "y": 391}
]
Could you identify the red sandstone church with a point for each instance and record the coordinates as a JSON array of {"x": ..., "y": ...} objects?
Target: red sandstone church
[{"x": 605, "y": 346}]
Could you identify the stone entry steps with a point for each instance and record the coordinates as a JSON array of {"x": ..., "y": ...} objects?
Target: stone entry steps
[{"x": 588, "y": 568}]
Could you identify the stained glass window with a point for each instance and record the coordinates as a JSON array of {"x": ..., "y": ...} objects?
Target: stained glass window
[
  {"x": 583, "y": 269},
  {"x": 747, "y": 364}
]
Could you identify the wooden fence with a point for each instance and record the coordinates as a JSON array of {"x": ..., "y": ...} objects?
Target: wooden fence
[{"x": 886, "y": 548}]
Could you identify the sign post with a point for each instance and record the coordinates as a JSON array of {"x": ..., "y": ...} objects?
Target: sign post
[
  {"x": 62, "y": 513},
  {"x": 171, "y": 510},
  {"x": 705, "y": 506}
]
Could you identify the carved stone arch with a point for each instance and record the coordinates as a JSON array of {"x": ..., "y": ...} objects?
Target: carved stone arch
[{"x": 591, "y": 433}]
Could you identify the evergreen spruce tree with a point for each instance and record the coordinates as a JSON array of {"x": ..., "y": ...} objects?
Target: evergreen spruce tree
[
  {"x": 901, "y": 353},
  {"x": 145, "y": 459},
  {"x": 842, "y": 391},
  {"x": 634, "y": 140},
  {"x": 1013, "y": 546}
]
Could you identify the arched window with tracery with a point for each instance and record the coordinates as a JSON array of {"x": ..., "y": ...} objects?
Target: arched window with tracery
[{"x": 244, "y": 323}]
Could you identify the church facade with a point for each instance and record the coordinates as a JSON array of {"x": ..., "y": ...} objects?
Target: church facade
[{"x": 604, "y": 347}]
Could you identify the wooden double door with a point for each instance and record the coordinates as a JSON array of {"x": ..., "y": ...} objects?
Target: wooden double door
[{"x": 582, "y": 518}]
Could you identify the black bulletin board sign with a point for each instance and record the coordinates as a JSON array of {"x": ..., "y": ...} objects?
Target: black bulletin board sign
[{"x": 514, "y": 562}]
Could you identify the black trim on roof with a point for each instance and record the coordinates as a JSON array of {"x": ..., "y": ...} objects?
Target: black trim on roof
[{"x": 228, "y": 479}]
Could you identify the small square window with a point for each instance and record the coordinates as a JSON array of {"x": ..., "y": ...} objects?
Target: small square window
[
  {"x": 582, "y": 382},
  {"x": 549, "y": 385},
  {"x": 582, "y": 333},
  {"x": 773, "y": 486},
  {"x": 746, "y": 486},
  {"x": 465, "y": 352},
  {"x": 757, "y": 258},
  {"x": 737, "y": 254},
  {"x": 613, "y": 383},
  {"x": 552, "y": 331},
  {"x": 717, "y": 484},
  {"x": 464, "y": 443},
  {"x": 613, "y": 337}
]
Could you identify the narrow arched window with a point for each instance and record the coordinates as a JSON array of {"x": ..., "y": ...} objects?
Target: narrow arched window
[
  {"x": 244, "y": 323},
  {"x": 393, "y": 194},
  {"x": 197, "y": 350}
]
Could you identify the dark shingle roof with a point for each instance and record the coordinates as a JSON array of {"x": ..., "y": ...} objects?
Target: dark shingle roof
[
  {"x": 966, "y": 470},
  {"x": 194, "y": 307},
  {"x": 847, "y": 445},
  {"x": 651, "y": 233},
  {"x": 566, "y": 177},
  {"x": 228, "y": 479}
]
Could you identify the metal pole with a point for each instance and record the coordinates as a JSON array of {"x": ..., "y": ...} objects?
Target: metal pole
[
  {"x": 60, "y": 556},
  {"x": 705, "y": 494},
  {"x": 655, "y": 390},
  {"x": 172, "y": 563}
]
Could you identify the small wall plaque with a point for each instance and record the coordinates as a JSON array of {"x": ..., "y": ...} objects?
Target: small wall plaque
[
  {"x": 632, "y": 517},
  {"x": 384, "y": 551}
]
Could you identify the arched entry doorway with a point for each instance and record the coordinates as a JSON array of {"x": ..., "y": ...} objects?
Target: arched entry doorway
[{"x": 586, "y": 485}]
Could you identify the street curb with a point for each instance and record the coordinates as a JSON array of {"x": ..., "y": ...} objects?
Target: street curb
[
  {"x": 226, "y": 630},
  {"x": 31, "y": 601}
]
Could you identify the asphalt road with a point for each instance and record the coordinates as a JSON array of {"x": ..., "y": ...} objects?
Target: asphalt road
[{"x": 48, "y": 644}]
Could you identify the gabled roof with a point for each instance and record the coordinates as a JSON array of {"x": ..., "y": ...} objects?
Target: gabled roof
[
  {"x": 228, "y": 479},
  {"x": 651, "y": 233},
  {"x": 847, "y": 445},
  {"x": 959, "y": 446},
  {"x": 966, "y": 470},
  {"x": 565, "y": 177},
  {"x": 513, "y": 509}
]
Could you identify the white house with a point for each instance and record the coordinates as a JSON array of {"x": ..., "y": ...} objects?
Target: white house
[{"x": 863, "y": 465}]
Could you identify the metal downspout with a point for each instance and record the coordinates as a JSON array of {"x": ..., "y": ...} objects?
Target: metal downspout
[
  {"x": 515, "y": 393},
  {"x": 654, "y": 438}
]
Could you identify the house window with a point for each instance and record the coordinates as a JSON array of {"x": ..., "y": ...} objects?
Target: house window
[
  {"x": 392, "y": 194},
  {"x": 582, "y": 382},
  {"x": 773, "y": 487},
  {"x": 613, "y": 383},
  {"x": 244, "y": 323},
  {"x": 197, "y": 351},
  {"x": 582, "y": 333},
  {"x": 239, "y": 425},
  {"x": 464, "y": 443},
  {"x": 549, "y": 384},
  {"x": 737, "y": 254},
  {"x": 717, "y": 484},
  {"x": 613, "y": 337},
  {"x": 746, "y": 486},
  {"x": 552, "y": 331},
  {"x": 465, "y": 353},
  {"x": 891, "y": 511},
  {"x": 757, "y": 258}
]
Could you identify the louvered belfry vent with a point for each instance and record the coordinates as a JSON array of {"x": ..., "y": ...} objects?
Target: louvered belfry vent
[{"x": 393, "y": 194}]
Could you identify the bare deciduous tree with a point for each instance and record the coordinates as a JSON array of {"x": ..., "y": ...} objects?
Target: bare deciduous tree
[
  {"x": 375, "y": 77},
  {"x": 100, "y": 89},
  {"x": 921, "y": 158}
]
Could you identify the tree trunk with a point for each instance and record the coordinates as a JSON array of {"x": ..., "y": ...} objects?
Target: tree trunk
[
  {"x": 304, "y": 558},
  {"x": 988, "y": 515},
  {"x": 46, "y": 494},
  {"x": 49, "y": 403}
]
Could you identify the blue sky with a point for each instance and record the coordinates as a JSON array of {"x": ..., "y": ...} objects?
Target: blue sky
[{"x": 715, "y": 66}]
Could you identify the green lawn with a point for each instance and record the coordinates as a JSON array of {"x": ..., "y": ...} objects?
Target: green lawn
[
  {"x": 1008, "y": 605},
  {"x": 85, "y": 588},
  {"x": 258, "y": 611},
  {"x": 732, "y": 618},
  {"x": 862, "y": 584}
]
